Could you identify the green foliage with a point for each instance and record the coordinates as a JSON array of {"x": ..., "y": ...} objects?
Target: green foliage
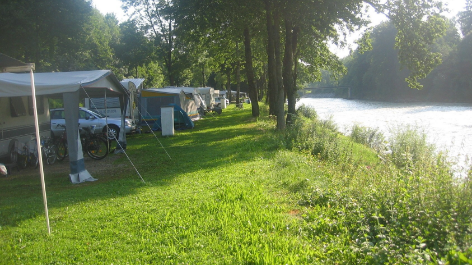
[
  {"x": 152, "y": 73},
  {"x": 134, "y": 49},
  {"x": 391, "y": 212},
  {"x": 377, "y": 74},
  {"x": 465, "y": 18},
  {"x": 373, "y": 138},
  {"x": 317, "y": 137}
]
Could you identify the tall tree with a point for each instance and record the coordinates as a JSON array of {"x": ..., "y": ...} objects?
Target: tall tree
[
  {"x": 465, "y": 18},
  {"x": 134, "y": 49},
  {"x": 157, "y": 19},
  {"x": 310, "y": 24},
  {"x": 40, "y": 31}
]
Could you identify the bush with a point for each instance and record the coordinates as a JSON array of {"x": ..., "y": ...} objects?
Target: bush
[
  {"x": 410, "y": 151},
  {"x": 409, "y": 209},
  {"x": 309, "y": 134},
  {"x": 372, "y": 138}
]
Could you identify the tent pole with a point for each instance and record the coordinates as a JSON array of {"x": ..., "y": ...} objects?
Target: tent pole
[{"x": 40, "y": 155}]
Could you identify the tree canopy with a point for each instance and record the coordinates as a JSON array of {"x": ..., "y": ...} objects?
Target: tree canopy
[{"x": 272, "y": 46}]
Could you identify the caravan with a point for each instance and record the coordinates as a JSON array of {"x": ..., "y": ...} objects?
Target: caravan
[
  {"x": 153, "y": 99},
  {"x": 17, "y": 123},
  {"x": 110, "y": 106}
]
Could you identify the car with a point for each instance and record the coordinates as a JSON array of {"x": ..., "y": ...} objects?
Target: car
[{"x": 88, "y": 118}]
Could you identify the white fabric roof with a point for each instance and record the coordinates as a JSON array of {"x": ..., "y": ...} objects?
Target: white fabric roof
[
  {"x": 94, "y": 83},
  {"x": 164, "y": 90},
  {"x": 137, "y": 82}
]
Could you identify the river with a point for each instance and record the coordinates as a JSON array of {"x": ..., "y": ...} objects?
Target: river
[{"x": 448, "y": 126}]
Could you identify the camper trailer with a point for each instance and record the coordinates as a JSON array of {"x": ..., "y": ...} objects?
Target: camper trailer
[
  {"x": 207, "y": 94},
  {"x": 153, "y": 99},
  {"x": 17, "y": 123},
  {"x": 111, "y": 106}
]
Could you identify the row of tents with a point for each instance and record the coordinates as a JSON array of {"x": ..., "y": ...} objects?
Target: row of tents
[
  {"x": 24, "y": 107},
  {"x": 100, "y": 90}
]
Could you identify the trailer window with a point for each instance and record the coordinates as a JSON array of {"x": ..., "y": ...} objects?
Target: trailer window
[
  {"x": 39, "y": 105},
  {"x": 17, "y": 108}
]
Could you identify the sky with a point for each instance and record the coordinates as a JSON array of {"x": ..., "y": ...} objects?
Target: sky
[{"x": 114, "y": 6}]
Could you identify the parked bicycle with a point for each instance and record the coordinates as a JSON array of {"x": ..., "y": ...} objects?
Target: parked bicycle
[
  {"x": 49, "y": 150},
  {"x": 94, "y": 144},
  {"x": 29, "y": 154}
]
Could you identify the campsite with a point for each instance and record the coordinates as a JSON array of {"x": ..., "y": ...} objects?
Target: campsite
[
  {"x": 229, "y": 192},
  {"x": 223, "y": 162}
]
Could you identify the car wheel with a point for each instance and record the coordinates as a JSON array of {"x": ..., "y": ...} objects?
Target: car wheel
[{"x": 113, "y": 132}]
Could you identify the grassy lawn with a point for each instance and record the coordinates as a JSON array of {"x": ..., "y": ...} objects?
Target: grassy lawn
[{"x": 230, "y": 194}]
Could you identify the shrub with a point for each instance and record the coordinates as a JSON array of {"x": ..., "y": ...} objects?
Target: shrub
[
  {"x": 410, "y": 151},
  {"x": 309, "y": 134},
  {"x": 372, "y": 138}
]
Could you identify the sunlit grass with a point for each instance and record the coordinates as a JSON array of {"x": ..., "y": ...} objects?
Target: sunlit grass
[{"x": 235, "y": 191}]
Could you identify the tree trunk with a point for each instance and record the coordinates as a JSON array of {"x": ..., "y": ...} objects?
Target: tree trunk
[
  {"x": 288, "y": 67},
  {"x": 203, "y": 75},
  {"x": 169, "y": 56},
  {"x": 292, "y": 101},
  {"x": 280, "y": 103},
  {"x": 272, "y": 75},
  {"x": 228, "y": 83},
  {"x": 250, "y": 73},
  {"x": 238, "y": 76}
]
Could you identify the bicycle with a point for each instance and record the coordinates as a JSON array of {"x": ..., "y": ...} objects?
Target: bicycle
[
  {"x": 61, "y": 144},
  {"x": 29, "y": 154},
  {"x": 49, "y": 150},
  {"x": 94, "y": 144}
]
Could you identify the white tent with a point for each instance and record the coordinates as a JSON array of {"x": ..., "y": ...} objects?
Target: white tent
[{"x": 70, "y": 86}]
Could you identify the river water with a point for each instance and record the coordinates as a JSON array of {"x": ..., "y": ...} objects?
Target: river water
[{"x": 448, "y": 126}]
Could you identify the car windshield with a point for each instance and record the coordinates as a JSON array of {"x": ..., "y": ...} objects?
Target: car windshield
[{"x": 98, "y": 114}]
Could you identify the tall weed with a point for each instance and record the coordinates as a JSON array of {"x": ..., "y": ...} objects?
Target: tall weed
[
  {"x": 373, "y": 138},
  {"x": 411, "y": 152},
  {"x": 310, "y": 134},
  {"x": 408, "y": 209}
]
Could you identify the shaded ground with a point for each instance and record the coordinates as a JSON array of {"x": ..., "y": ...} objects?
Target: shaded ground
[{"x": 93, "y": 166}]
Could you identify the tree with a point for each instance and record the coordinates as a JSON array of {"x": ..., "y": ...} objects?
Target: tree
[
  {"x": 157, "y": 19},
  {"x": 40, "y": 31},
  {"x": 303, "y": 26},
  {"x": 376, "y": 74},
  {"x": 134, "y": 49},
  {"x": 465, "y": 18},
  {"x": 219, "y": 33}
]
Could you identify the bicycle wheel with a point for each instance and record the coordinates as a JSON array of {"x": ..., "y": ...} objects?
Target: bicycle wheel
[
  {"x": 51, "y": 155},
  {"x": 97, "y": 148},
  {"x": 61, "y": 150},
  {"x": 34, "y": 161},
  {"x": 22, "y": 161}
]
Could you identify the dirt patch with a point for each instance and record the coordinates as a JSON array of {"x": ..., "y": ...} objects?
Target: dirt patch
[{"x": 92, "y": 165}]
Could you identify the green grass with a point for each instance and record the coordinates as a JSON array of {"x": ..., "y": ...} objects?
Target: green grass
[{"x": 237, "y": 192}]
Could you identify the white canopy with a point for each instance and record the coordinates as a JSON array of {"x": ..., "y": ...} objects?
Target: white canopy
[
  {"x": 70, "y": 86},
  {"x": 94, "y": 83},
  {"x": 136, "y": 81}
]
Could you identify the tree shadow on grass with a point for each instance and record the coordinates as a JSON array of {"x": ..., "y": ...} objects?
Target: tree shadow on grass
[{"x": 214, "y": 142}]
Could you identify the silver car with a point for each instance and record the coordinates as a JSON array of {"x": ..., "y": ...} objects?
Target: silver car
[{"x": 88, "y": 118}]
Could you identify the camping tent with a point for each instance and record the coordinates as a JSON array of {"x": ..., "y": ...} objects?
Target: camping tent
[
  {"x": 153, "y": 99},
  {"x": 207, "y": 94},
  {"x": 70, "y": 86}
]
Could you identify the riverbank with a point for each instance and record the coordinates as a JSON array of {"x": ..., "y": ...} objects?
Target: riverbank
[{"x": 236, "y": 191}]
